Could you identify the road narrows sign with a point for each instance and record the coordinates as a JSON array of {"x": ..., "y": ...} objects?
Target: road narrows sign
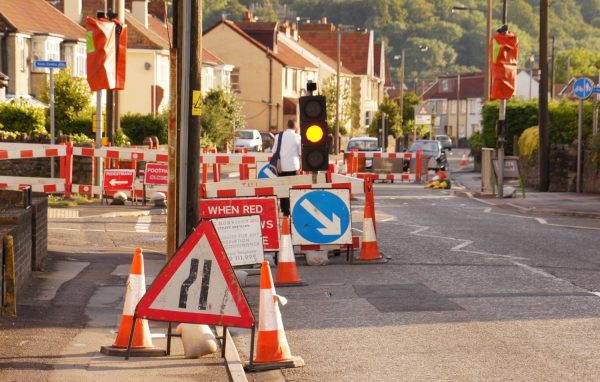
[
  {"x": 320, "y": 216},
  {"x": 198, "y": 286}
]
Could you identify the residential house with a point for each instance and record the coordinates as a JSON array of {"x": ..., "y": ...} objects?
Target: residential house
[
  {"x": 358, "y": 55},
  {"x": 33, "y": 30},
  {"x": 148, "y": 42},
  {"x": 456, "y": 102},
  {"x": 528, "y": 85},
  {"x": 3, "y": 85},
  {"x": 268, "y": 75},
  {"x": 327, "y": 67}
]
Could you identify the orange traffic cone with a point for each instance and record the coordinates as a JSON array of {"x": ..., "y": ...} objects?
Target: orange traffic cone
[
  {"x": 463, "y": 160},
  {"x": 369, "y": 249},
  {"x": 287, "y": 273},
  {"x": 272, "y": 345},
  {"x": 141, "y": 343}
]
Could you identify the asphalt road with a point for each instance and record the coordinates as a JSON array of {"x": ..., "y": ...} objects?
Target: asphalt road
[{"x": 471, "y": 293}]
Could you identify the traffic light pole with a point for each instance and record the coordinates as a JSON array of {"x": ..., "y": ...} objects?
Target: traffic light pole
[{"x": 501, "y": 125}]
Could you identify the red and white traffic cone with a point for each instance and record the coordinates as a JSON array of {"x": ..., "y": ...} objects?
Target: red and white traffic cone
[
  {"x": 369, "y": 249},
  {"x": 272, "y": 348},
  {"x": 463, "y": 160},
  {"x": 287, "y": 272},
  {"x": 141, "y": 343}
]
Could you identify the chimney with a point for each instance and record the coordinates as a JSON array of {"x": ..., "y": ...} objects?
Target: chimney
[
  {"x": 73, "y": 10},
  {"x": 139, "y": 10},
  {"x": 249, "y": 16},
  {"x": 324, "y": 20}
]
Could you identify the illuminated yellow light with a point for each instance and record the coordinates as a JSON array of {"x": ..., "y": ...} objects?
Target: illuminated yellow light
[{"x": 314, "y": 133}]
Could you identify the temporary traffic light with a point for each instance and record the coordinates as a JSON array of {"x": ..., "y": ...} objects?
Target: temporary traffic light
[
  {"x": 504, "y": 49},
  {"x": 313, "y": 130}
]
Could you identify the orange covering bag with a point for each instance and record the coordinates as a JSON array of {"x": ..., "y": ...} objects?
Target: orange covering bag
[
  {"x": 504, "y": 48},
  {"x": 106, "y": 54}
]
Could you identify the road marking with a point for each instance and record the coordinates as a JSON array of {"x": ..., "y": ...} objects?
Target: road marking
[{"x": 143, "y": 224}]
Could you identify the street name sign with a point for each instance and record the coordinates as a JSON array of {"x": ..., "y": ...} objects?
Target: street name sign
[
  {"x": 197, "y": 286},
  {"x": 596, "y": 89},
  {"x": 583, "y": 87},
  {"x": 266, "y": 207},
  {"x": 320, "y": 216},
  {"x": 51, "y": 64},
  {"x": 118, "y": 179},
  {"x": 241, "y": 237},
  {"x": 156, "y": 173}
]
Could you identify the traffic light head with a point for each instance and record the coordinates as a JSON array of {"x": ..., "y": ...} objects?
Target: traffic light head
[{"x": 313, "y": 132}]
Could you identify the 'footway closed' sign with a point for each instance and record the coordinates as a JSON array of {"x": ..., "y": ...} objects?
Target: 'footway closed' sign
[
  {"x": 156, "y": 173},
  {"x": 265, "y": 207}
]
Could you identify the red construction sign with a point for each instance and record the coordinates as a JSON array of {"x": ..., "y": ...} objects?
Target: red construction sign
[
  {"x": 156, "y": 173},
  {"x": 118, "y": 180},
  {"x": 265, "y": 207},
  {"x": 198, "y": 286}
]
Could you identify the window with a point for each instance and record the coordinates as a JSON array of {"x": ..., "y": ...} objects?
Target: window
[
  {"x": 235, "y": 80},
  {"x": 444, "y": 85},
  {"x": 444, "y": 107},
  {"x": 453, "y": 104},
  {"x": 368, "y": 118},
  {"x": 209, "y": 78},
  {"x": 463, "y": 106},
  {"x": 80, "y": 69},
  {"x": 45, "y": 48},
  {"x": 473, "y": 106}
]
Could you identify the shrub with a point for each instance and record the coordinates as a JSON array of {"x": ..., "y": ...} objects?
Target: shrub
[
  {"x": 21, "y": 117},
  {"x": 529, "y": 143},
  {"x": 138, "y": 126},
  {"x": 475, "y": 142}
]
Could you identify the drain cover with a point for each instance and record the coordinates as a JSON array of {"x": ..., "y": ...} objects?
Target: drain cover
[{"x": 404, "y": 298}]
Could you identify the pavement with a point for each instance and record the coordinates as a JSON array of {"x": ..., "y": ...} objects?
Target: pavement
[{"x": 468, "y": 183}]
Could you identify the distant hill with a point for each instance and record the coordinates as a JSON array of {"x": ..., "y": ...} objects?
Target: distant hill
[{"x": 456, "y": 40}]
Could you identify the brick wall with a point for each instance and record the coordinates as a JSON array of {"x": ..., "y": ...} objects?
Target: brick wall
[
  {"x": 39, "y": 232},
  {"x": 17, "y": 222}
]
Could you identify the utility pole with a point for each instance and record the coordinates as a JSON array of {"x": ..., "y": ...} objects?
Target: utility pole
[
  {"x": 457, "y": 107},
  {"x": 544, "y": 120},
  {"x": 336, "y": 135},
  {"x": 553, "y": 69},
  {"x": 488, "y": 35},
  {"x": 502, "y": 125}
]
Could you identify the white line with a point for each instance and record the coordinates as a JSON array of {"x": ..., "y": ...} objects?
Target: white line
[
  {"x": 536, "y": 271},
  {"x": 487, "y": 210},
  {"x": 541, "y": 221},
  {"x": 143, "y": 224}
]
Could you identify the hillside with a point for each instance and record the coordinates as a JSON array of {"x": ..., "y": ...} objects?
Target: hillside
[{"x": 456, "y": 40}]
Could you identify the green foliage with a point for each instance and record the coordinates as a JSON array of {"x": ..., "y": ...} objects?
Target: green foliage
[
  {"x": 139, "y": 126},
  {"x": 529, "y": 143},
  {"x": 21, "y": 117},
  {"x": 121, "y": 139},
  {"x": 329, "y": 90},
  {"x": 71, "y": 103},
  {"x": 475, "y": 142},
  {"x": 408, "y": 113},
  {"x": 392, "y": 112},
  {"x": 521, "y": 115},
  {"x": 221, "y": 113},
  {"x": 79, "y": 139},
  {"x": 594, "y": 145}
]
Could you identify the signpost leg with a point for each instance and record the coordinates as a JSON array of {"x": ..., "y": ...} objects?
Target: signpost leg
[
  {"x": 144, "y": 194},
  {"x": 52, "y": 119},
  {"x": 98, "y": 135},
  {"x": 169, "y": 338},
  {"x": 252, "y": 334},
  {"x": 579, "y": 137},
  {"x": 224, "y": 339},
  {"x": 130, "y": 337}
]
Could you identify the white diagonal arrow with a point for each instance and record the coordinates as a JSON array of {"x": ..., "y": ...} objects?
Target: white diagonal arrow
[
  {"x": 331, "y": 227},
  {"x": 113, "y": 182}
]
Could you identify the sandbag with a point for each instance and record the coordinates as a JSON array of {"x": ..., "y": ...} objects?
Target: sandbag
[{"x": 198, "y": 340}]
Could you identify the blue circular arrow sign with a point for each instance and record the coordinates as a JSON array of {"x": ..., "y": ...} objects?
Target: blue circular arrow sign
[
  {"x": 321, "y": 217},
  {"x": 264, "y": 173},
  {"x": 583, "y": 87}
]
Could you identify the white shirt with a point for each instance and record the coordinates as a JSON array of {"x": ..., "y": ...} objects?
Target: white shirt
[{"x": 291, "y": 150}]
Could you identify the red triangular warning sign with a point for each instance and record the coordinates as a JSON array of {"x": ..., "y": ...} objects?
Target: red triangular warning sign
[
  {"x": 423, "y": 111},
  {"x": 198, "y": 286}
]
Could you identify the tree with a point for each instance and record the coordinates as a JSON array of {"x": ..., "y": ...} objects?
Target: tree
[
  {"x": 408, "y": 112},
  {"x": 392, "y": 113},
  {"x": 72, "y": 97},
  {"x": 328, "y": 89},
  {"x": 221, "y": 114}
]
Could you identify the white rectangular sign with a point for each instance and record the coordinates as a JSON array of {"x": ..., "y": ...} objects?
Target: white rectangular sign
[
  {"x": 422, "y": 119},
  {"x": 242, "y": 239}
]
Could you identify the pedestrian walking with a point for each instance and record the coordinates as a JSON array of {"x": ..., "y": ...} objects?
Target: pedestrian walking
[{"x": 290, "y": 153}]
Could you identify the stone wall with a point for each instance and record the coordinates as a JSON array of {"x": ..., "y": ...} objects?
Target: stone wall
[
  {"x": 40, "y": 167},
  {"x": 17, "y": 223},
  {"x": 39, "y": 232},
  {"x": 563, "y": 170}
]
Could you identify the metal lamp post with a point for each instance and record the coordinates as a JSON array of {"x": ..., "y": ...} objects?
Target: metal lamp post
[{"x": 401, "y": 57}]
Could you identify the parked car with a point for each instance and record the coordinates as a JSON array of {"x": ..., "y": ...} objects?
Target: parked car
[
  {"x": 249, "y": 139},
  {"x": 445, "y": 140},
  {"x": 364, "y": 144},
  {"x": 432, "y": 149},
  {"x": 267, "y": 141}
]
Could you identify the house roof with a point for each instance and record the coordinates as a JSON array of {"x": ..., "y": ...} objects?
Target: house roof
[
  {"x": 471, "y": 86},
  {"x": 210, "y": 57},
  {"x": 37, "y": 16},
  {"x": 283, "y": 53},
  {"x": 325, "y": 58},
  {"x": 354, "y": 47}
]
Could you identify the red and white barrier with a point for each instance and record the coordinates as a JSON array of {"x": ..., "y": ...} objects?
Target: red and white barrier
[
  {"x": 400, "y": 177},
  {"x": 30, "y": 150},
  {"x": 406, "y": 156},
  {"x": 47, "y": 185}
]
